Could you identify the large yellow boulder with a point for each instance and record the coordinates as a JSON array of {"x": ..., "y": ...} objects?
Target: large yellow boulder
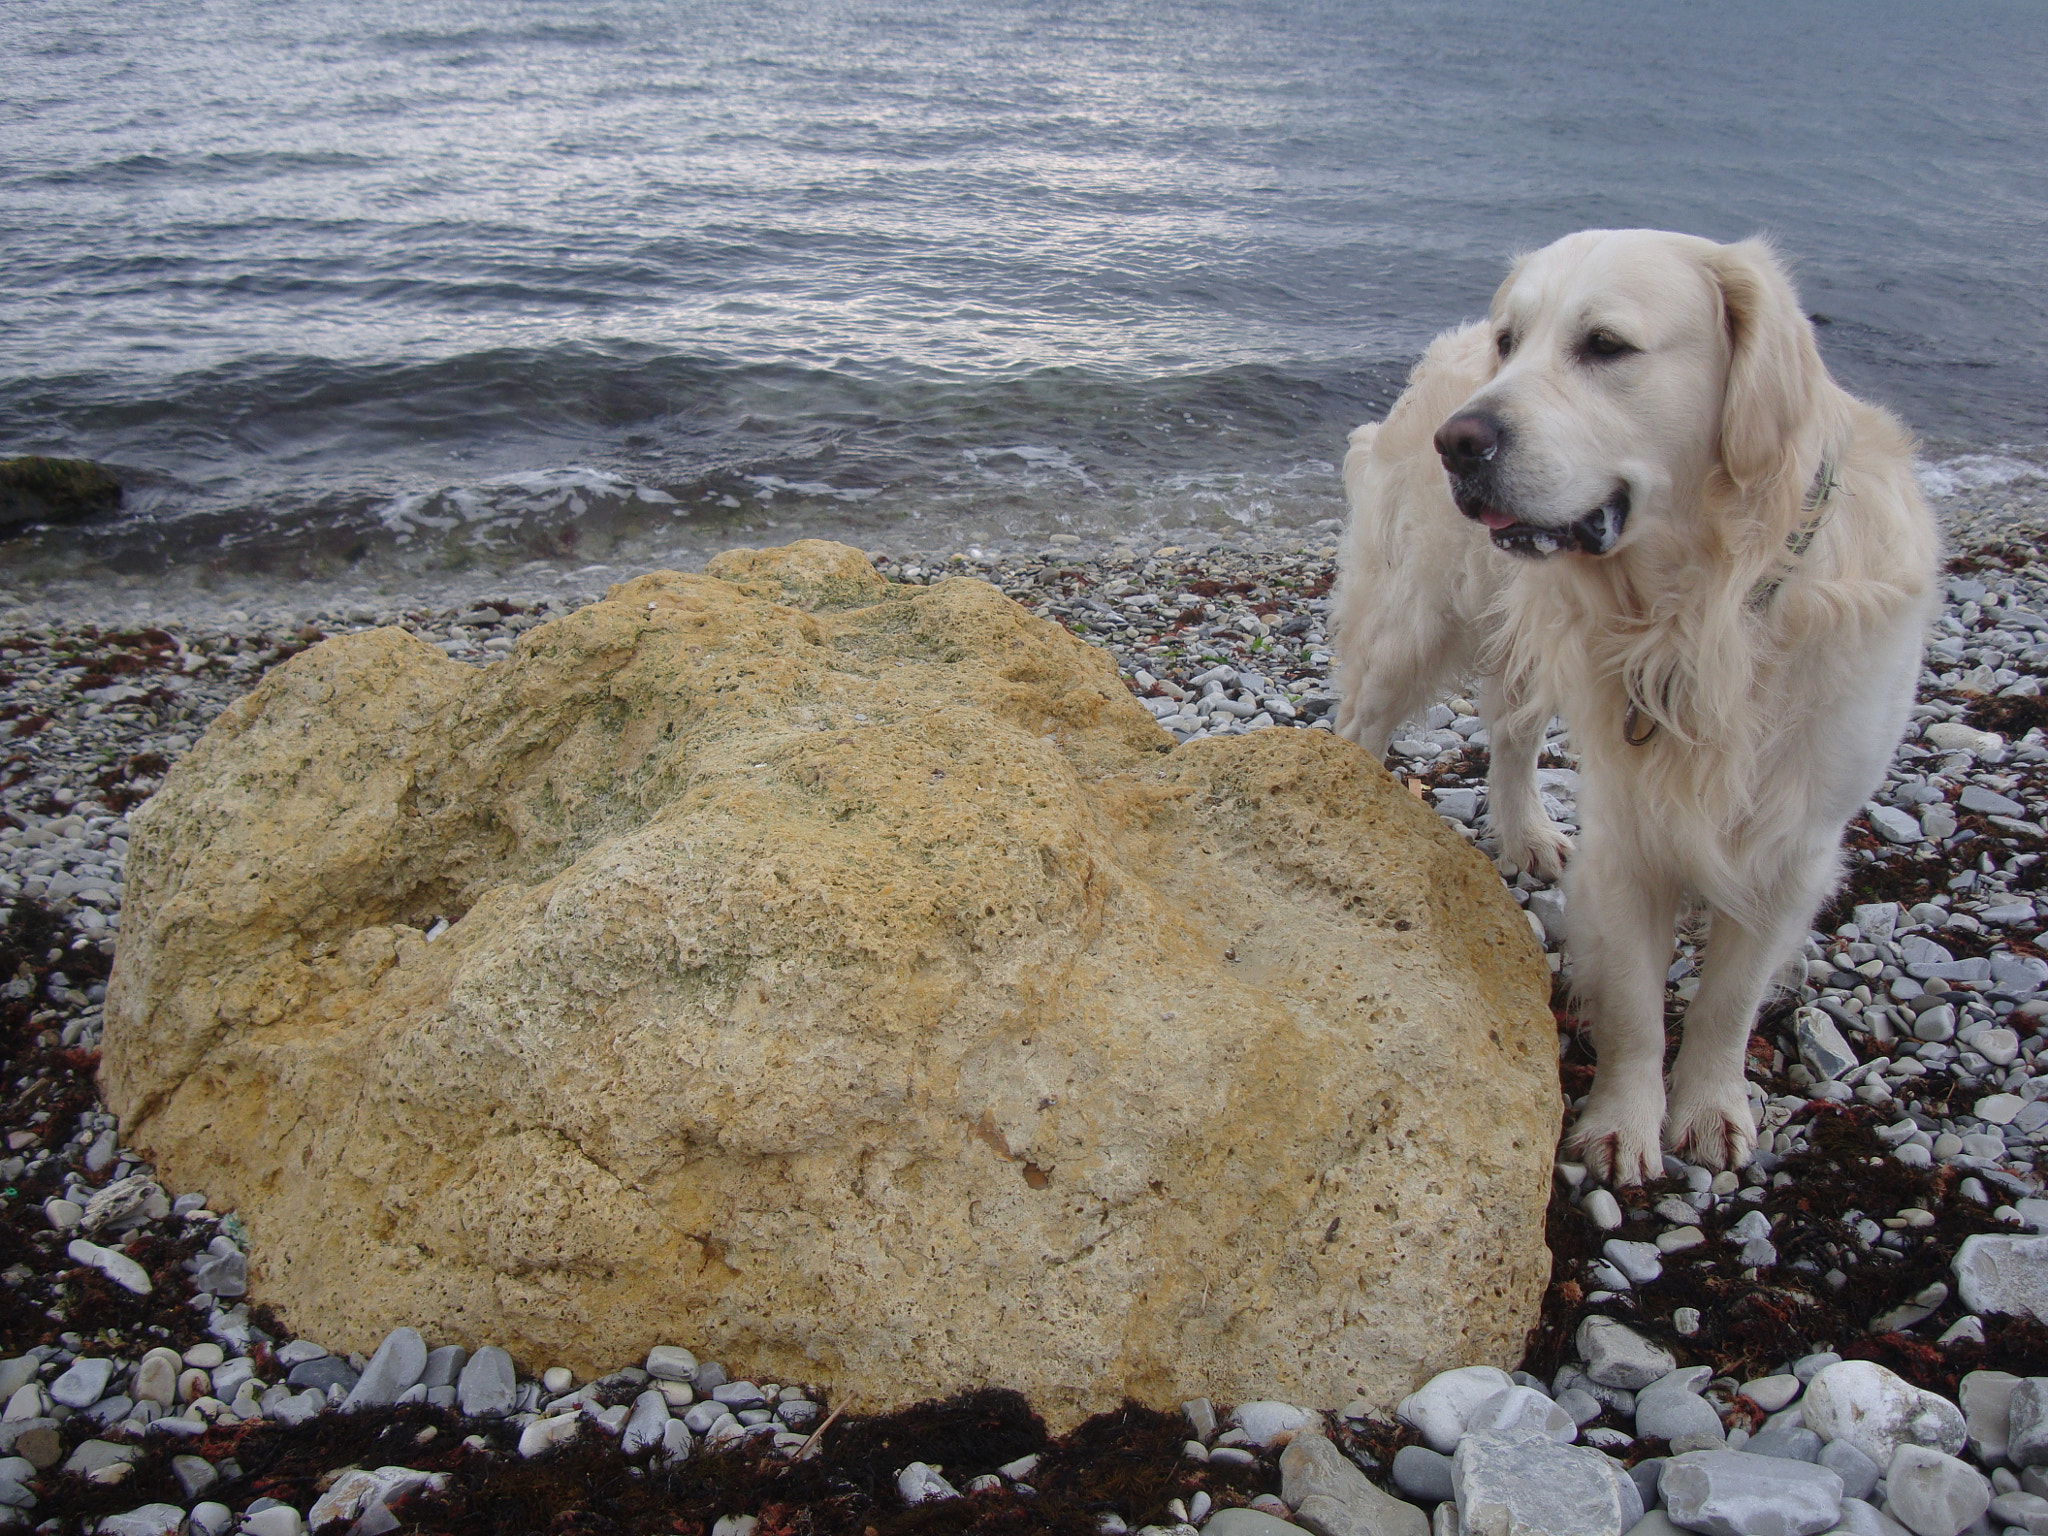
[{"x": 846, "y": 981}]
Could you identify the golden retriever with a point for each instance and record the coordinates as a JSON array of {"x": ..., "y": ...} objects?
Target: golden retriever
[{"x": 1634, "y": 497}]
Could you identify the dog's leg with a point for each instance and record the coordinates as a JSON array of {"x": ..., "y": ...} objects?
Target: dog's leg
[
  {"x": 1709, "y": 1118},
  {"x": 1528, "y": 837},
  {"x": 1622, "y": 920},
  {"x": 1393, "y": 663}
]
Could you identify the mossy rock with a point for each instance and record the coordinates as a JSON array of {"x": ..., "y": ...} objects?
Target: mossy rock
[{"x": 39, "y": 490}]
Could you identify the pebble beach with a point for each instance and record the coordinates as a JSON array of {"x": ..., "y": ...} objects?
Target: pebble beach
[{"x": 1844, "y": 1336}]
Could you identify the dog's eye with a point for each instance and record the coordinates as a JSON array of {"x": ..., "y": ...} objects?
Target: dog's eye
[
  {"x": 1504, "y": 343},
  {"x": 1605, "y": 344}
]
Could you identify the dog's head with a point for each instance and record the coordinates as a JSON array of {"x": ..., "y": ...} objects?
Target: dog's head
[{"x": 1628, "y": 367}]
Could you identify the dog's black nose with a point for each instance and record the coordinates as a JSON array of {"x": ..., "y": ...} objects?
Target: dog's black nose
[{"x": 1469, "y": 440}]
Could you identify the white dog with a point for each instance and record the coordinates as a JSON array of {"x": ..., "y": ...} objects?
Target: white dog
[{"x": 1634, "y": 497}]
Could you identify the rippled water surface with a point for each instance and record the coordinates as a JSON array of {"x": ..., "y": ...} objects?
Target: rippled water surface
[{"x": 505, "y": 279}]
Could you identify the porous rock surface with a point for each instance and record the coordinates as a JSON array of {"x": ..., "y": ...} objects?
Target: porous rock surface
[{"x": 850, "y": 976}]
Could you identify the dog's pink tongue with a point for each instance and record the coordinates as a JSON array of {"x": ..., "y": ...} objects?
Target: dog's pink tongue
[{"x": 1494, "y": 519}]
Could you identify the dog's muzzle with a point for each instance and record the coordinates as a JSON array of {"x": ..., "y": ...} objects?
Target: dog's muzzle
[{"x": 1594, "y": 534}]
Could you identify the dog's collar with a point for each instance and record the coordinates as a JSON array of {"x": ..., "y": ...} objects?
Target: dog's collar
[
  {"x": 1800, "y": 540},
  {"x": 1797, "y": 543}
]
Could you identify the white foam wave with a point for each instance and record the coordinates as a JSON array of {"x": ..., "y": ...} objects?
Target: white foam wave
[
  {"x": 1035, "y": 459},
  {"x": 544, "y": 494},
  {"x": 1975, "y": 472},
  {"x": 771, "y": 484}
]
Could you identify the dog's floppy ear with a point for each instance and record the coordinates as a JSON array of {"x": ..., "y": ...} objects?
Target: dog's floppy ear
[{"x": 1775, "y": 374}]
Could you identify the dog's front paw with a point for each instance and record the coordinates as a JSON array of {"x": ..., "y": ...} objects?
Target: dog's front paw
[
  {"x": 1618, "y": 1142},
  {"x": 1711, "y": 1126},
  {"x": 1540, "y": 849}
]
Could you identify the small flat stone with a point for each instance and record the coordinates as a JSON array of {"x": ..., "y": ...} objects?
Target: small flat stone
[
  {"x": 1997, "y": 1108},
  {"x": 487, "y": 1384},
  {"x": 1933, "y": 1494},
  {"x": 645, "y": 1427},
  {"x": 1820, "y": 1044},
  {"x": 1333, "y": 1498},
  {"x": 1439, "y": 1408},
  {"x": 1602, "y": 1209},
  {"x": 395, "y": 1366},
  {"x": 1878, "y": 1411},
  {"x": 2002, "y": 1274},
  {"x": 84, "y": 1383},
  {"x": 1423, "y": 1474},
  {"x": 1788, "y": 1443},
  {"x": 1617, "y": 1356},
  {"x": 325, "y": 1372},
  {"x": 1674, "y": 1413},
  {"x": 671, "y": 1362},
  {"x": 1986, "y": 1400},
  {"x": 195, "y": 1474},
  {"x": 1248, "y": 1522},
  {"x": 545, "y": 1434},
  {"x": 2026, "y": 1422},
  {"x": 1527, "y": 1484},
  {"x": 1859, "y": 1474},
  {"x": 1728, "y": 1493},
  {"x": 1641, "y": 1262},
  {"x": 1266, "y": 1422},
  {"x": 278, "y": 1520},
  {"x": 93, "y": 1455},
  {"x": 1522, "y": 1410},
  {"x": 146, "y": 1520},
  {"x": 1771, "y": 1393},
  {"x": 117, "y": 1267},
  {"x": 444, "y": 1366}
]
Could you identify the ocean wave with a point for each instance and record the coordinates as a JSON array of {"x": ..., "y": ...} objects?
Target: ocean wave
[
  {"x": 552, "y": 496},
  {"x": 1976, "y": 472}
]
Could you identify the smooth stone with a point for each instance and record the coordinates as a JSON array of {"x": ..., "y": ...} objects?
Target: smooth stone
[
  {"x": 1526, "y": 1483},
  {"x": 1264, "y": 1422},
  {"x": 488, "y": 1384},
  {"x": 2003, "y": 1274},
  {"x": 395, "y": 1366},
  {"x": 94, "y": 1455},
  {"x": 703, "y": 1415},
  {"x": 557, "y": 1379},
  {"x": 1997, "y": 1108},
  {"x": 1438, "y": 1409},
  {"x": 301, "y": 1407},
  {"x": 1248, "y": 1522},
  {"x": 1728, "y": 1493},
  {"x": 1820, "y": 1044},
  {"x": 443, "y": 1367},
  {"x": 1787, "y": 1444},
  {"x": 1333, "y": 1498},
  {"x": 327, "y": 1371},
  {"x": 921, "y": 1484},
  {"x": 1771, "y": 1393},
  {"x": 1424, "y": 1474},
  {"x": 2026, "y": 1422},
  {"x": 1877, "y": 1411},
  {"x": 116, "y": 1266},
  {"x": 544, "y": 1434},
  {"x": 1892, "y": 824},
  {"x": 211, "y": 1519},
  {"x": 1986, "y": 1401},
  {"x": 1932, "y": 1494},
  {"x": 1859, "y": 1474},
  {"x": 147, "y": 1520},
  {"x": 18, "y": 1373},
  {"x": 1675, "y": 1413},
  {"x": 1641, "y": 1262},
  {"x": 2028, "y": 1511},
  {"x": 278, "y": 1520},
  {"x": 156, "y": 1377},
  {"x": 62, "y": 1214},
  {"x": 195, "y": 1474},
  {"x": 1582, "y": 1405},
  {"x": 1522, "y": 1410},
  {"x": 1655, "y": 1523},
  {"x": 84, "y": 1383},
  {"x": 1617, "y": 1356},
  {"x": 1861, "y": 1519},
  {"x": 671, "y": 1362},
  {"x": 1602, "y": 1209},
  {"x": 647, "y": 1424}
]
